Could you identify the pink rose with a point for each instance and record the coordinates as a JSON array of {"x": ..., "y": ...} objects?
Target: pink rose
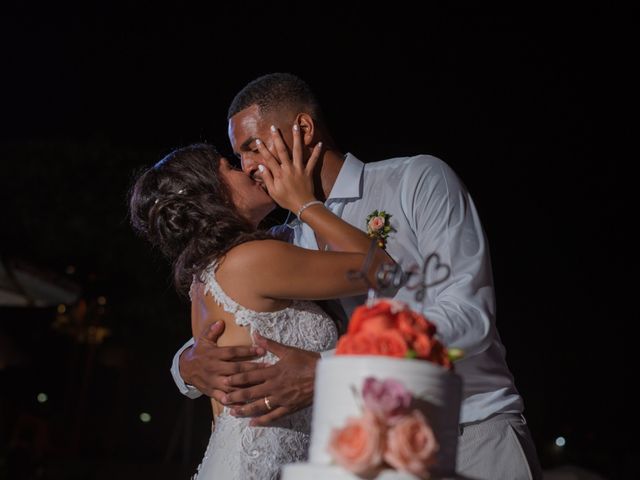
[
  {"x": 388, "y": 399},
  {"x": 376, "y": 223},
  {"x": 411, "y": 445},
  {"x": 359, "y": 445}
]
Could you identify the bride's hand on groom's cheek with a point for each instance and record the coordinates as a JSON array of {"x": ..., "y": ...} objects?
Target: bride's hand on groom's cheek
[
  {"x": 276, "y": 390},
  {"x": 288, "y": 178}
]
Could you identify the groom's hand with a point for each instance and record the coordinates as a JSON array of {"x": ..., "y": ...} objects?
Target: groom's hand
[
  {"x": 287, "y": 385},
  {"x": 205, "y": 365}
]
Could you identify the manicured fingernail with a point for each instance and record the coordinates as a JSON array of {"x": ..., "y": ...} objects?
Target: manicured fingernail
[
  {"x": 261, "y": 168},
  {"x": 260, "y": 351},
  {"x": 253, "y": 423},
  {"x": 224, "y": 399},
  {"x": 319, "y": 145},
  {"x": 234, "y": 412},
  {"x": 273, "y": 128},
  {"x": 295, "y": 127},
  {"x": 258, "y": 141}
]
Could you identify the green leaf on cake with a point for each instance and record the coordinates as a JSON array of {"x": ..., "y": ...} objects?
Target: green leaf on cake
[{"x": 455, "y": 354}]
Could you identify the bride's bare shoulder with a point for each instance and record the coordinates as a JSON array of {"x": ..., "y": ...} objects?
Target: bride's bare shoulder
[{"x": 250, "y": 255}]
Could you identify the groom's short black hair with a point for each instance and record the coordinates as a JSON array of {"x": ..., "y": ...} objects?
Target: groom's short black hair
[{"x": 276, "y": 90}]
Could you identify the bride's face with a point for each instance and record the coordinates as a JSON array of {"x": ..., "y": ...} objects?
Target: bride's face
[{"x": 249, "y": 196}]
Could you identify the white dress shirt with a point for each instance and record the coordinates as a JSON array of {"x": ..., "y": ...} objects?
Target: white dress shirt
[{"x": 432, "y": 212}]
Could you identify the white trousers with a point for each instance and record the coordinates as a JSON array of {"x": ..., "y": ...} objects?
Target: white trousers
[{"x": 498, "y": 448}]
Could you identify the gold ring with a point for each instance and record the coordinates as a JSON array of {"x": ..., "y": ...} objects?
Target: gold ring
[{"x": 267, "y": 403}]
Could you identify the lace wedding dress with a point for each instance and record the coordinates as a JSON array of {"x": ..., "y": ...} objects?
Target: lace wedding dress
[{"x": 238, "y": 451}]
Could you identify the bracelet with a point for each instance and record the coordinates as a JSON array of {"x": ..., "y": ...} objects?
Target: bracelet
[{"x": 307, "y": 205}]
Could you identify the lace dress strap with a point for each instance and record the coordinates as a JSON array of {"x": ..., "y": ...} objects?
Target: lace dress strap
[
  {"x": 244, "y": 317},
  {"x": 212, "y": 286}
]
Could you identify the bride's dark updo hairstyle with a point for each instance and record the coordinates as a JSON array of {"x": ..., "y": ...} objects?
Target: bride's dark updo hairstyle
[{"x": 183, "y": 207}]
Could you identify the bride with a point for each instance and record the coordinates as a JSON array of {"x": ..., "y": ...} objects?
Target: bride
[{"x": 203, "y": 215}]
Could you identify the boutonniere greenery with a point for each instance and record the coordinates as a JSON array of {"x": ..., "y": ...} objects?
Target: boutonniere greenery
[{"x": 379, "y": 227}]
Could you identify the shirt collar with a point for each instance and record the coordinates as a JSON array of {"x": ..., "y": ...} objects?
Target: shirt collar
[{"x": 349, "y": 181}]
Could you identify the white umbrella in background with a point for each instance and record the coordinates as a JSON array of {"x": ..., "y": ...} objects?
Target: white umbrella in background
[{"x": 23, "y": 285}]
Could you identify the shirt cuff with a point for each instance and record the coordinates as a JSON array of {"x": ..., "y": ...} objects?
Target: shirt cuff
[{"x": 185, "y": 389}]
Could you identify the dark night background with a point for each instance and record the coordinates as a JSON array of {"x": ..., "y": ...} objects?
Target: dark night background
[{"x": 520, "y": 103}]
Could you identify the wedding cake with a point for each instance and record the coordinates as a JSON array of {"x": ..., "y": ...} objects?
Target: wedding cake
[{"x": 386, "y": 405}]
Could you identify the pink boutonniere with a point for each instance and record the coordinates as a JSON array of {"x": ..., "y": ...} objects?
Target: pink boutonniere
[{"x": 379, "y": 226}]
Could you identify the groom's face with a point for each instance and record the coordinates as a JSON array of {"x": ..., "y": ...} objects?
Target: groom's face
[{"x": 249, "y": 125}]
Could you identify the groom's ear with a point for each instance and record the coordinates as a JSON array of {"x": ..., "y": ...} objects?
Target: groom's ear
[{"x": 307, "y": 128}]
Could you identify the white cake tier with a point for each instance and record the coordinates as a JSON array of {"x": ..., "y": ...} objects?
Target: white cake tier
[
  {"x": 307, "y": 471},
  {"x": 437, "y": 392}
]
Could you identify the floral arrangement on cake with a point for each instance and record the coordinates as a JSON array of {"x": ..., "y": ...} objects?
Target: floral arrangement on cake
[
  {"x": 391, "y": 328},
  {"x": 390, "y": 432}
]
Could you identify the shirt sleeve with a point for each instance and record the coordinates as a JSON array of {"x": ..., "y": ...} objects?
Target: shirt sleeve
[
  {"x": 187, "y": 390},
  {"x": 445, "y": 221},
  {"x": 282, "y": 232}
]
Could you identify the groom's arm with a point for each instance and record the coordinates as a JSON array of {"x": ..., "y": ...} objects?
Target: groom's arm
[
  {"x": 185, "y": 389},
  {"x": 201, "y": 366},
  {"x": 445, "y": 221},
  {"x": 288, "y": 384}
]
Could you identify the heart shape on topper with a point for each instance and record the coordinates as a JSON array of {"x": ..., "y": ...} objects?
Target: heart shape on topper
[{"x": 431, "y": 268}]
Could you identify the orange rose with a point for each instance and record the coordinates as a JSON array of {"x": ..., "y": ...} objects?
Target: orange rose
[
  {"x": 391, "y": 343},
  {"x": 405, "y": 325},
  {"x": 440, "y": 355},
  {"x": 411, "y": 445},
  {"x": 362, "y": 315},
  {"x": 391, "y": 328},
  {"x": 423, "y": 345},
  {"x": 359, "y": 344},
  {"x": 359, "y": 445},
  {"x": 377, "y": 324},
  {"x": 423, "y": 325}
]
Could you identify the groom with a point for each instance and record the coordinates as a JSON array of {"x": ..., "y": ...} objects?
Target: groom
[{"x": 431, "y": 212}]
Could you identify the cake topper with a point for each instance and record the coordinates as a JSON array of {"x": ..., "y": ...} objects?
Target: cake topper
[{"x": 391, "y": 277}]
